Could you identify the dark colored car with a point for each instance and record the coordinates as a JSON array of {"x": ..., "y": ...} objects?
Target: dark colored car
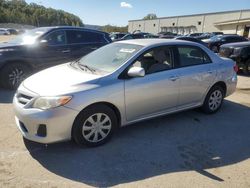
[
  {"x": 133, "y": 36},
  {"x": 12, "y": 31},
  {"x": 117, "y": 36},
  {"x": 208, "y": 35},
  {"x": 192, "y": 39},
  {"x": 194, "y": 35},
  {"x": 216, "y": 41},
  {"x": 167, "y": 35},
  {"x": 44, "y": 47},
  {"x": 141, "y": 35},
  {"x": 239, "y": 52}
]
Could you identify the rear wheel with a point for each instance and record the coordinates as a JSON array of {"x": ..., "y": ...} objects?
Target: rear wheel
[
  {"x": 214, "y": 100},
  {"x": 246, "y": 68},
  {"x": 13, "y": 74},
  {"x": 94, "y": 126}
]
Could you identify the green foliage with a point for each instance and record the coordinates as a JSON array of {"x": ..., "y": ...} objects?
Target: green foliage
[
  {"x": 150, "y": 17},
  {"x": 112, "y": 28},
  {"x": 18, "y": 11}
]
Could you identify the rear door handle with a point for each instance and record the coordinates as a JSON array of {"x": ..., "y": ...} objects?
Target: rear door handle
[
  {"x": 94, "y": 48},
  {"x": 174, "y": 78},
  {"x": 65, "y": 51},
  {"x": 210, "y": 72}
]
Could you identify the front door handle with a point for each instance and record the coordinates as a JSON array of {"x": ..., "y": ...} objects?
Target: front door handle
[
  {"x": 65, "y": 51},
  {"x": 174, "y": 78},
  {"x": 210, "y": 72}
]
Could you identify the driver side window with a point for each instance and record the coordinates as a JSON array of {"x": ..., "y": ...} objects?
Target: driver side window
[
  {"x": 56, "y": 38},
  {"x": 155, "y": 60}
]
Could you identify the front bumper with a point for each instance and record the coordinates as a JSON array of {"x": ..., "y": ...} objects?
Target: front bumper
[{"x": 57, "y": 121}]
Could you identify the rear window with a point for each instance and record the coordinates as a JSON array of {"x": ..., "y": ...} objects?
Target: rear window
[
  {"x": 189, "y": 56},
  {"x": 76, "y": 37}
]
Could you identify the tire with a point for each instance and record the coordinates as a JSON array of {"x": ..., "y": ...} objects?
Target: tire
[
  {"x": 213, "y": 100},
  {"x": 86, "y": 130},
  {"x": 246, "y": 68},
  {"x": 215, "y": 49},
  {"x": 12, "y": 74}
]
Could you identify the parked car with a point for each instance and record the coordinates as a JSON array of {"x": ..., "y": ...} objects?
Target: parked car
[
  {"x": 194, "y": 35},
  {"x": 215, "y": 42},
  {"x": 240, "y": 53},
  {"x": 117, "y": 36},
  {"x": 12, "y": 31},
  {"x": 167, "y": 35},
  {"x": 45, "y": 47},
  {"x": 138, "y": 36},
  {"x": 4, "y": 32},
  {"x": 120, "y": 84},
  {"x": 209, "y": 35},
  {"x": 192, "y": 39},
  {"x": 133, "y": 36}
]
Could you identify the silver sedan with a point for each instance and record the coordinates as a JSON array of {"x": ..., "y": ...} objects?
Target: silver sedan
[{"x": 120, "y": 84}]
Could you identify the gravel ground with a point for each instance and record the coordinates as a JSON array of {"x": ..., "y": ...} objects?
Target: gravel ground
[
  {"x": 6, "y": 38},
  {"x": 187, "y": 149}
]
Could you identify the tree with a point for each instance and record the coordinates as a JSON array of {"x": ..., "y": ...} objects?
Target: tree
[
  {"x": 112, "y": 28},
  {"x": 18, "y": 11},
  {"x": 150, "y": 17}
]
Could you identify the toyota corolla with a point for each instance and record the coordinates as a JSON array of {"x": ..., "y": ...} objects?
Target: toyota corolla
[{"x": 120, "y": 84}]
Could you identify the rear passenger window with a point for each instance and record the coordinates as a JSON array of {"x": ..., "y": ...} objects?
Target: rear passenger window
[
  {"x": 189, "y": 56},
  {"x": 78, "y": 37}
]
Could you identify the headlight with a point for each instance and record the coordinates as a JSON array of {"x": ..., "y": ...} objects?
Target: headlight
[
  {"x": 45, "y": 103},
  {"x": 236, "y": 52}
]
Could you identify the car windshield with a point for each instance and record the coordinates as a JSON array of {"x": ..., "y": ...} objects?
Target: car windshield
[
  {"x": 30, "y": 36},
  {"x": 216, "y": 38},
  {"x": 110, "y": 57}
]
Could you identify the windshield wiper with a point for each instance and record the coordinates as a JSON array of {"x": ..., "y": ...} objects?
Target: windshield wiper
[{"x": 84, "y": 67}]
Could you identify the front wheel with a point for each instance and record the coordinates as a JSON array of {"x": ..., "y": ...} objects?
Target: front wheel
[
  {"x": 213, "y": 100},
  {"x": 94, "y": 126},
  {"x": 13, "y": 74}
]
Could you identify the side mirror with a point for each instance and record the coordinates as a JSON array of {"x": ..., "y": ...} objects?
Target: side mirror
[
  {"x": 44, "y": 42},
  {"x": 136, "y": 72}
]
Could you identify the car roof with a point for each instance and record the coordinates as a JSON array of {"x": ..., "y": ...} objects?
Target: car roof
[
  {"x": 69, "y": 27},
  {"x": 151, "y": 42},
  {"x": 237, "y": 44}
]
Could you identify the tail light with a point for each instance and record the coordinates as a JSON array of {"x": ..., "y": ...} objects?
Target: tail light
[{"x": 236, "y": 68}]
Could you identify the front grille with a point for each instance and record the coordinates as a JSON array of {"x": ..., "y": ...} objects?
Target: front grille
[{"x": 23, "y": 99}]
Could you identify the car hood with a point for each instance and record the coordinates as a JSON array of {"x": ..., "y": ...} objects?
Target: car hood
[{"x": 61, "y": 79}]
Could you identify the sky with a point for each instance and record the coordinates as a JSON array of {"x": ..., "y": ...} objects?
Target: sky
[{"x": 118, "y": 12}]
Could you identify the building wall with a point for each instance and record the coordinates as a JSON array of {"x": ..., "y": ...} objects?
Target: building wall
[
  {"x": 213, "y": 18},
  {"x": 193, "y": 23}
]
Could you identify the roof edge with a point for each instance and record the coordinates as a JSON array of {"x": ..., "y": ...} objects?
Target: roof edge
[{"x": 201, "y": 14}]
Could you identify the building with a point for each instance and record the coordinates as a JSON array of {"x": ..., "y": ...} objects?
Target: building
[{"x": 229, "y": 22}]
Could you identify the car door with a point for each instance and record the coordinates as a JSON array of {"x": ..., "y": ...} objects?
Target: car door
[
  {"x": 82, "y": 42},
  {"x": 156, "y": 92},
  {"x": 196, "y": 74},
  {"x": 52, "y": 49}
]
